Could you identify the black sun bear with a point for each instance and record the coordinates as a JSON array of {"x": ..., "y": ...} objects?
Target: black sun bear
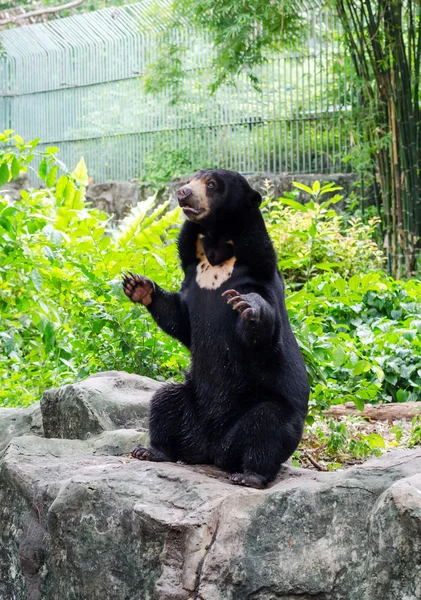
[{"x": 244, "y": 401}]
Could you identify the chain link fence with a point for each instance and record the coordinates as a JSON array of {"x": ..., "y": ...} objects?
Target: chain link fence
[{"x": 77, "y": 83}]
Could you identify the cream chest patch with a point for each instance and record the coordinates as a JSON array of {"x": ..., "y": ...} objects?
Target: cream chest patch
[{"x": 210, "y": 277}]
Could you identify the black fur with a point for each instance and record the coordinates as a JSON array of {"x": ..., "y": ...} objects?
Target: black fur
[{"x": 244, "y": 401}]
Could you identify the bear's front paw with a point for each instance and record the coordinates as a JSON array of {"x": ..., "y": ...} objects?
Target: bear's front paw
[
  {"x": 138, "y": 288},
  {"x": 240, "y": 304}
]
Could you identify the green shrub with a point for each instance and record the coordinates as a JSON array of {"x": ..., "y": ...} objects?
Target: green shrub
[
  {"x": 346, "y": 249},
  {"x": 62, "y": 311},
  {"x": 361, "y": 337}
]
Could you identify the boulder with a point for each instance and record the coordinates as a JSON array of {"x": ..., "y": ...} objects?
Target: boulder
[
  {"x": 116, "y": 198},
  {"x": 109, "y": 400},
  {"x": 279, "y": 183},
  {"x": 79, "y": 519},
  {"x": 13, "y": 188},
  {"x": 19, "y": 421}
]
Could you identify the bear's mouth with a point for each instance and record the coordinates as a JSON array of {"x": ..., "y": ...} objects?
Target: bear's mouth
[{"x": 188, "y": 209}]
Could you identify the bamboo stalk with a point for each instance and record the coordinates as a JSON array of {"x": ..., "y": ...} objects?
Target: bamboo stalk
[{"x": 385, "y": 47}]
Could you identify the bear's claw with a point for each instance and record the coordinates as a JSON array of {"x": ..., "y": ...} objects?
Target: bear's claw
[
  {"x": 253, "y": 481},
  {"x": 141, "y": 453},
  {"x": 239, "y": 304},
  {"x": 153, "y": 454},
  {"x": 138, "y": 288}
]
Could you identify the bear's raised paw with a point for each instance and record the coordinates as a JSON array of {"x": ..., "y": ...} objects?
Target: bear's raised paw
[
  {"x": 138, "y": 288},
  {"x": 240, "y": 304}
]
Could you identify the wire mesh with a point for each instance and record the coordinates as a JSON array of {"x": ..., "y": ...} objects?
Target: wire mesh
[{"x": 77, "y": 83}]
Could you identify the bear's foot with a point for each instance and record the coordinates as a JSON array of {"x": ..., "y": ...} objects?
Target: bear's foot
[
  {"x": 250, "y": 480},
  {"x": 151, "y": 454},
  {"x": 240, "y": 304},
  {"x": 138, "y": 288}
]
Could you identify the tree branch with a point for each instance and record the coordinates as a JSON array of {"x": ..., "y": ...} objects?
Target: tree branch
[{"x": 40, "y": 11}]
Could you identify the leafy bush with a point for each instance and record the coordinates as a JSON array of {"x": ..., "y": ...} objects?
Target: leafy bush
[
  {"x": 62, "y": 311},
  {"x": 361, "y": 338},
  {"x": 312, "y": 238},
  {"x": 166, "y": 163}
]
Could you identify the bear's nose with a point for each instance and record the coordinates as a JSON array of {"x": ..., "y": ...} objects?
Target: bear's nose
[{"x": 184, "y": 192}]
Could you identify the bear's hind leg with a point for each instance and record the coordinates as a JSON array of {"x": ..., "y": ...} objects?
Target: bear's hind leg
[
  {"x": 259, "y": 443},
  {"x": 173, "y": 428}
]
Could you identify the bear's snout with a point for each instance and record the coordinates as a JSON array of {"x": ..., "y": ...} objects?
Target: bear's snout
[
  {"x": 183, "y": 193},
  {"x": 192, "y": 199}
]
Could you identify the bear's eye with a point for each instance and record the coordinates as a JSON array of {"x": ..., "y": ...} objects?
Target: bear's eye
[{"x": 210, "y": 185}]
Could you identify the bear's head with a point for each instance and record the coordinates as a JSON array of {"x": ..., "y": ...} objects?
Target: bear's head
[{"x": 214, "y": 194}]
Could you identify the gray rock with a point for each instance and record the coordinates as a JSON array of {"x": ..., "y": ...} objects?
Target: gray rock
[
  {"x": 115, "y": 198},
  {"x": 77, "y": 521},
  {"x": 109, "y": 400},
  {"x": 282, "y": 182},
  {"x": 19, "y": 421},
  {"x": 14, "y": 187},
  {"x": 394, "y": 542},
  {"x": 80, "y": 519}
]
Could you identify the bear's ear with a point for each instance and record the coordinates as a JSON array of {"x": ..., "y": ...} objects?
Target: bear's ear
[{"x": 256, "y": 198}]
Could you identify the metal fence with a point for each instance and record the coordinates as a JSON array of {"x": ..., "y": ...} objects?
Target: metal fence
[{"x": 77, "y": 83}]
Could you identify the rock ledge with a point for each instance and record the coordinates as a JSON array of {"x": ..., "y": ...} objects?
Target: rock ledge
[{"x": 79, "y": 520}]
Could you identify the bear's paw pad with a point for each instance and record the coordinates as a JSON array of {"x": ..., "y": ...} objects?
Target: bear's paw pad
[{"x": 138, "y": 288}]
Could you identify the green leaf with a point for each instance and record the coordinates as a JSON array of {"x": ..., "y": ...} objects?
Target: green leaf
[
  {"x": 159, "y": 260},
  {"x": 340, "y": 285},
  {"x": 375, "y": 440},
  {"x": 327, "y": 266},
  {"x": 81, "y": 172},
  {"x": 378, "y": 371},
  {"x": 48, "y": 253},
  {"x": 312, "y": 230},
  {"x": 361, "y": 367},
  {"x": 329, "y": 188},
  {"x": 52, "y": 176},
  {"x": 4, "y": 173},
  {"x": 359, "y": 403},
  {"x": 42, "y": 170},
  {"x": 332, "y": 200},
  {"x": 36, "y": 279},
  {"x": 85, "y": 270},
  {"x": 402, "y": 395},
  {"x": 5, "y": 223},
  {"x": 316, "y": 187},
  {"x": 104, "y": 242},
  {"x": 294, "y": 204},
  {"x": 61, "y": 186},
  {"x": 339, "y": 356},
  {"x": 15, "y": 168},
  {"x": 302, "y": 187},
  {"x": 354, "y": 282},
  {"x": 398, "y": 431},
  {"x": 69, "y": 193}
]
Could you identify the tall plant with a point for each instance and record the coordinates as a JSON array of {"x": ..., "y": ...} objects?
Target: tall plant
[{"x": 384, "y": 39}]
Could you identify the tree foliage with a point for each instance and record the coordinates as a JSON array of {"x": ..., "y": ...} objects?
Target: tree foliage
[{"x": 383, "y": 41}]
